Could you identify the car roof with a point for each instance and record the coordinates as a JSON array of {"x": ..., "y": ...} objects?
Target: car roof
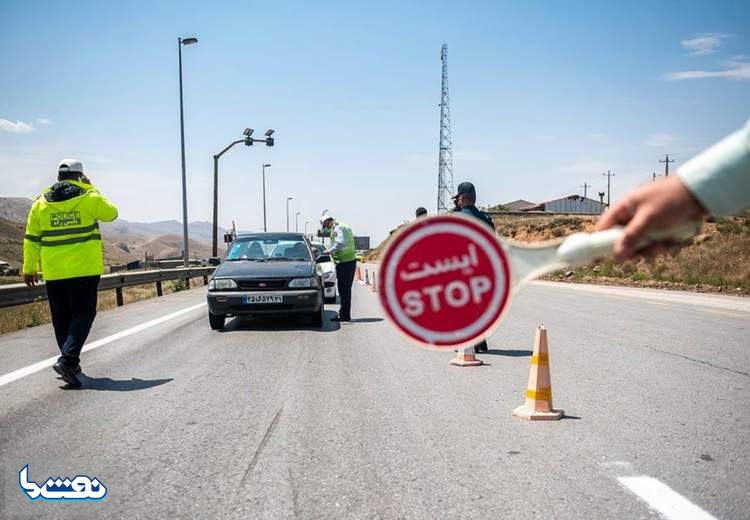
[{"x": 284, "y": 235}]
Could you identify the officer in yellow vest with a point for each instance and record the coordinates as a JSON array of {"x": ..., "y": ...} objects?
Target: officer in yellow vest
[
  {"x": 344, "y": 255},
  {"x": 62, "y": 237}
]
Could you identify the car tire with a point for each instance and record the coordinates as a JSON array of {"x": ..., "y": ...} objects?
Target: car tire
[
  {"x": 317, "y": 317},
  {"x": 216, "y": 321}
]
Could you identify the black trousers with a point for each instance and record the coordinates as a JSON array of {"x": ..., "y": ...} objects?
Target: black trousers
[
  {"x": 72, "y": 303},
  {"x": 345, "y": 280}
]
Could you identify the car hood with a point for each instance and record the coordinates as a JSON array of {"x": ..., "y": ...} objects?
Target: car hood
[{"x": 239, "y": 270}]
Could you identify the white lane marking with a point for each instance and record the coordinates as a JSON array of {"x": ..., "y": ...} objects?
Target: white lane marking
[
  {"x": 41, "y": 365},
  {"x": 664, "y": 499}
]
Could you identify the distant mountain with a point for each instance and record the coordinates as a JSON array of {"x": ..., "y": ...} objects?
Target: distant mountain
[
  {"x": 16, "y": 209},
  {"x": 124, "y": 241}
]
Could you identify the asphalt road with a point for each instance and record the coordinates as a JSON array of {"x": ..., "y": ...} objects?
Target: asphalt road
[{"x": 278, "y": 420}]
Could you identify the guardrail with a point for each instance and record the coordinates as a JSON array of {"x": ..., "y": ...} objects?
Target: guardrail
[{"x": 18, "y": 294}]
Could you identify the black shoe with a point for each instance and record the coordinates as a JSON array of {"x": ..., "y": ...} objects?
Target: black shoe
[
  {"x": 78, "y": 369},
  {"x": 339, "y": 318},
  {"x": 67, "y": 374}
]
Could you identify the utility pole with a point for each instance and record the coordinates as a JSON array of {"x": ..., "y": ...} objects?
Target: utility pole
[
  {"x": 666, "y": 165},
  {"x": 608, "y": 175},
  {"x": 585, "y": 187},
  {"x": 445, "y": 158}
]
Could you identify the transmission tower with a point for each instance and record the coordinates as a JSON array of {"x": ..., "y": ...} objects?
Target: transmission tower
[{"x": 445, "y": 161}]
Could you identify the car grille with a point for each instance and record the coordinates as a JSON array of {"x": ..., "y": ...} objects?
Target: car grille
[{"x": 261, "y": 285}]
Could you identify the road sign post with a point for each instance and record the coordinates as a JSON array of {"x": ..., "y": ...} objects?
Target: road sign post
[{"x": 445, "y": 281}]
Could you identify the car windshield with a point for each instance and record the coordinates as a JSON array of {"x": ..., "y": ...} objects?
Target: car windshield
[{"x": 263, "y": 249}]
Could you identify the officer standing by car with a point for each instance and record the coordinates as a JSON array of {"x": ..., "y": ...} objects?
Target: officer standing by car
[
  {"x": 344, "y": 253},
  {"x": 465, "y": 201},
  {"x": 62, "y": 236}
]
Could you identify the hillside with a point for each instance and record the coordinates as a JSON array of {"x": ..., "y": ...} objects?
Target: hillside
[
  {"x": 124, "y": 241},
  {"x": 718, "y": 259}
]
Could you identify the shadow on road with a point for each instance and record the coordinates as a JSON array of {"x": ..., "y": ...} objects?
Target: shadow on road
[
  {"x": 508, "y": 353},
  {"x": 281, "y": 323},
  {"x": 121, "y": 385}
]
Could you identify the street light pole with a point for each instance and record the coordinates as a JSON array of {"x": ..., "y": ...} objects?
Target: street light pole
[
  {"x": 265, "y": 229},
  {"x": 214, "y": 244},
  {"x": 296, "y": 222},
  {"x": 185, "y": 253},
  {"x": 306, "y": 223},
  {"x": 287, "y": 212}
]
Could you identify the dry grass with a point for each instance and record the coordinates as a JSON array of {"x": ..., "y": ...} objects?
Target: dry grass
[
  {"x": 33, "y": 314},
  {"x": 718, "y": 259}
]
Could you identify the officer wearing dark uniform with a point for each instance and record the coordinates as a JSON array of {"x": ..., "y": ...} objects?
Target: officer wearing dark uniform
[
  {"x": 465, "y": 200},
  {"x": 62, "y": 237}
]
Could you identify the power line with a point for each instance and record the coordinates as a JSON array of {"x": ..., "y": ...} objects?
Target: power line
[
  {"x": 608, "y": 175},
  {"x": 585, "y": 187},
  {"x": 666, "y": 165}
]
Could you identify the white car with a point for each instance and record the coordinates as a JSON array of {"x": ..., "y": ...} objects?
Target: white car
[{"x": 327, "y": 270}]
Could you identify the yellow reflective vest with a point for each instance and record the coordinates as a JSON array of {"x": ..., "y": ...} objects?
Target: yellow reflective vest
[{"x": 62, "y": 232}]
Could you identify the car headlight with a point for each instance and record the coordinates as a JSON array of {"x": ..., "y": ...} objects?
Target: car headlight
[
  {"x": 221, "y": 283},
  {"x": 305, "y": 283}
]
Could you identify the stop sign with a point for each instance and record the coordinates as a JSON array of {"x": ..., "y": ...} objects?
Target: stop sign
[{"x": 445, "y": 281}]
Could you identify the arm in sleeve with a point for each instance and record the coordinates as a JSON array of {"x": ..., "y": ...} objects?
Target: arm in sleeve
[
  {"x": 720, "y": 177},
  {"x": 104, "y": 209},
  {"x": 32, "y": 243},
  {"x": 340, "y": 240}
]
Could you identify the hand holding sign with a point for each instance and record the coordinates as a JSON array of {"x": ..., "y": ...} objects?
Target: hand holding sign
[{"x": 447, "y": 279}]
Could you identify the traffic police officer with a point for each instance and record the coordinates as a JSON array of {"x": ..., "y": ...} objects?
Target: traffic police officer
[
  {"x": 62, "y": 236},
  {"x": 465, "y": 200},
  {"x": 344, "y": 255}
]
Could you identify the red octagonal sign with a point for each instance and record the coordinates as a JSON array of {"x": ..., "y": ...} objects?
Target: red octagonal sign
[{"x": 445, "y": 281}]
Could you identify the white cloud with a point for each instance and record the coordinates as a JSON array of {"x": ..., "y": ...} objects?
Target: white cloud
[
  {"x": 736, "y": 68},
  {"x": 18, "y": 127},
  {"x": 660, "y": 139},
  {"x": 43, "y": 121},
  {"x": 705, "y": 43}
]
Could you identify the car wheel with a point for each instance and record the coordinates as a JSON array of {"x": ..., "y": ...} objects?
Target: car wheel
[
  {"x": 216, "y": 321},
  {"x": 317, "y": 317}
]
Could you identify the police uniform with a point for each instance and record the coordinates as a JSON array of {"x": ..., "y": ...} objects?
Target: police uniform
[
  {"x": 344, "y": 255},
  {"x": 63, "y": 238}
]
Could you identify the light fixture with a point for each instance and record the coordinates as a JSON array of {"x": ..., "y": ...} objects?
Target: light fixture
[
  {"x": 248, "y": 132},
  {"x": 188, "y": 41},
  {"x": 269, "y": 133}
]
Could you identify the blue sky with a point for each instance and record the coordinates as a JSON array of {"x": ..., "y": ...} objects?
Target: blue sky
[{"x": 544, "y": 97}]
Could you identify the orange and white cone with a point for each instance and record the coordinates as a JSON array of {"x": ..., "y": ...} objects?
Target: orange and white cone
[
  {"x": 538, "y": 405},
  {"x": 358, "y": 274},
  {"x": 466, "y": 358}
]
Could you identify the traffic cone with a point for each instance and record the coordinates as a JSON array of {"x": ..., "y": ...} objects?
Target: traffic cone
[
  {"x": 374, "y": 287},
  {"x": 466, "y": 358},
  {"x": 357, "y": 274},
  {"x": 367, "y": 277},
  {"x": 538, "y": 404}
]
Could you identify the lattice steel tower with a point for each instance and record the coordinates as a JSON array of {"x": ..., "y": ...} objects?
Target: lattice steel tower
[{"x": 445, "y": 160}]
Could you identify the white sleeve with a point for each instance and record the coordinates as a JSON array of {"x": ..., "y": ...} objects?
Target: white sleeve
[{"x": 720, "y": 177}]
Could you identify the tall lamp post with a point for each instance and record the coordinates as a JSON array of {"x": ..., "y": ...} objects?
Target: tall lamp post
[
  {"x": 306, "y": 223},
  {"x": 186, "y": 255},
  {"x": 214, "y": 244},
  {"x": 296, "y": 222},
  {"x": 287, "y": 212},
  {"x": 248, "y": 140},
  {"x": 264, "y": 196}
]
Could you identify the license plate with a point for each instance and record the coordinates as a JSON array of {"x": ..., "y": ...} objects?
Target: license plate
[{"x": 264, "y": 298}]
